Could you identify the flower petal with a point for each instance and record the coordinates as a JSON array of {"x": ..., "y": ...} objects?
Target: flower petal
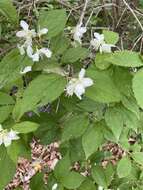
[
  {"x": 81, "y": 73},
  {"x": 43, "y": 31},
  {"x": 46, "y": 52},
  {"x": 13, "y": 135},
  {"x": 36, "y": 57},
  {"x": 6, "y": 140},
  {"x": 79, "y": 90},
  {"x": 78, "y": 33},
  {"x": 54, "y": 187},
  {"x": 87, "y": 82},
  {"x": 26, "y": 70},
  {"x": 106, "y": 48},
  {"x": 99, "y": 36},
  {"x": 29, "y": 51},
  {"x": 21, "y": 34},
  {"x": 24, "y": 25},
  {"x": 82, "y": 30}
]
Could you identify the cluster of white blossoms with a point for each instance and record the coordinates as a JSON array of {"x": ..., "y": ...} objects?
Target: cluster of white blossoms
[
  {"x": 99, "y": 43},
  {"x": 77, "y": 85},
  {"x": 27, "y": 46},
  {"x": 6, "y": 137}
]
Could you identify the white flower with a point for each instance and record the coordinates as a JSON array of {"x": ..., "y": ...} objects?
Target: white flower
[
  {"x": 26, "y": 33},
  {"x": 42, "y": 32},
  {"x": 54, "y": 187},
  {"x": 78, "y": 33},
  {"x": 39, "y": 53},
  {"x": 99, "y": 43},
  {"x": 77, "y": 85},
  {"x": 6, "y": 137},
  {"x": 26, "y": 70}
]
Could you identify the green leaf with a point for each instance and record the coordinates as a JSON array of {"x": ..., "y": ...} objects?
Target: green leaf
[
  {"x": 7, "y": 167},
  {"x": 130, "y": 104},
  {"x": 103, "y": 177},
  {"x": 59, "y": 44},
  {"x": 74, "y": 54},
  {"x": 73, "y": 180},
  {"x": 111, "y": 37},
  {"x": 17, "y": 149},
  {"x": 138, "y": 157},
  {"x": 76, "y": 150},
  {"x": 103, "y": 90},
  {"x": 124, "y": 167},
  {"x": 123, "y": 80},
  {"x": 55, "y": 21},
  {"x": 130, "y": 119},
  {"x": 42, "y": 90},
  {"x": 87, "y": 185},
  {"x": 37, "y": 182},
  {"x": 8, "y": 10},
  {"x": 74, "y": 127},
  {"x": 141, "y": 3},
  {"x": 5, "y": 99},
  {"x": 5, "y": 111},
  {"x": 137, "y": 87},
  {"x": 11, "y": 66},
  {"x": 114, "y": 120},
  {"x": 25, "y": 127},
  {"x": 126, "y": 59},
  {"x": 101, "y": 61},
  {"x": 89, "y": 105},
  {"x": 91, "y": 140},
  {"x": 62, "y": 168}
]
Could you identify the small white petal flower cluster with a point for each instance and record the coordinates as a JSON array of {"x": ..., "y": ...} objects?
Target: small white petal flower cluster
[
  {"x": 78, "y": 33},
  {"x": 28, "y": 36},
  {"x": 6, "y": 137},
  {"x": 98, "y": 43},
  {"x": 77, "y": 85}
]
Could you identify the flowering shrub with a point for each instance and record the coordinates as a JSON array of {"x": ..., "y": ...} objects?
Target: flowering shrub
[{"x": 70, "y": 112}]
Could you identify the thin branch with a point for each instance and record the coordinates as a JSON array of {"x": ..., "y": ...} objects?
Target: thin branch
[
  {"x": 133, "y": 13},
  {"x": 83, "y": 12}
]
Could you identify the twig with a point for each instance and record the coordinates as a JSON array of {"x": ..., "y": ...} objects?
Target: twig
[
  {"x": 89, "y": 18},
  {"x": 121, "y": 17},
  {"x": 83, "y": 12},
  {"x": 139, "y": 38}
]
